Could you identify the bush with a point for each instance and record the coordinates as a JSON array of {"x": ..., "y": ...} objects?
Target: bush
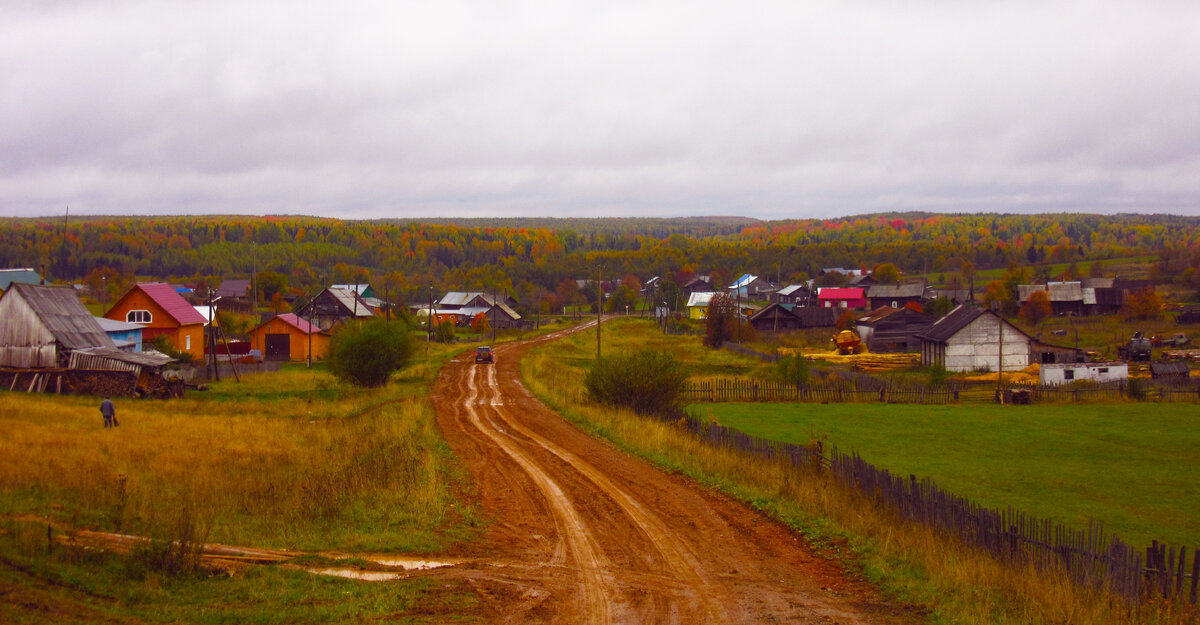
[
  {"x": 721, "y": 324},
  {"x": 792, "y": 370},
  {"x": 444, "y": 332},
  {"x": 649, "y": 382},
  {"x": 366, "y": 354}
]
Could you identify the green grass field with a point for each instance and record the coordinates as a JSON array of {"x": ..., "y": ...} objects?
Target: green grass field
[{"x": 1133, "y": 467}]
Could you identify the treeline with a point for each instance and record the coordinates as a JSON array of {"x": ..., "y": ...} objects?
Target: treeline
[{"x": 534, "y": 257}]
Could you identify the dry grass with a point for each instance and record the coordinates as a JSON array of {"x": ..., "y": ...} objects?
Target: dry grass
[
  {"x": 291, "y": 459},
  {"x": 958, "y": 584}
]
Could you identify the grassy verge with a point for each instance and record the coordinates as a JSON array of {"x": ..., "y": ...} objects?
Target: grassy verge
[
  {"x": 1130, "y": 466},
  {"x": 957, "y": 584},
  {"x": 292, "y": 459}
]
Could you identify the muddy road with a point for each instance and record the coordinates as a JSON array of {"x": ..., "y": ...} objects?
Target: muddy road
[{"x": 592, "y": 535}]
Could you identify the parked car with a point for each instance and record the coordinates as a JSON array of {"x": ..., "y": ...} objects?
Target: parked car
[{"x": 483, "y": 354}]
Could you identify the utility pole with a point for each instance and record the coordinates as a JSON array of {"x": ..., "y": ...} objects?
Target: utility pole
[
  {"x": 212, "y": 339},
  {"x": 599, "y": 305},
  {"x": 429, "y": 323}
]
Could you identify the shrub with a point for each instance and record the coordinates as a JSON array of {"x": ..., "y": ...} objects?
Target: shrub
[
  {"x": 722, "y": 321},
  {"x": 649, "y": 382},
  {"x": 366, "y": 354},
  {"x": 443, "y": 332},
  {"x": 792, "y": 370}
]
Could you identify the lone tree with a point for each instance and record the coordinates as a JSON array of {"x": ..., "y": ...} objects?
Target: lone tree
[
  {"x": 366, "y": 354},
  {"x": 722, "y": 319}
]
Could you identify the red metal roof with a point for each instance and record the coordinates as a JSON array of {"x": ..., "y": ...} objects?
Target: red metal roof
[
  {"x": 172, "y": 302},
  {"x": 298, "y": 323},
  {"x": 836, "y": 293}
]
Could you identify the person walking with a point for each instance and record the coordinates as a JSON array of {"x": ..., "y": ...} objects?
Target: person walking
[{"x": 110, "y": 413}]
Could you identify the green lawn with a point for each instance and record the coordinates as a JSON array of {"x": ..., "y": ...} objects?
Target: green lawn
[{"x": 1133, "y": 467}]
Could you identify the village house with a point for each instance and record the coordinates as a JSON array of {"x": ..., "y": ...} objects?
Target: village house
[
  {"x": 697, "y": 305},
  {"x": 698, "y": 284},
  {"x": 1065, "y": 373},
  {"x": 333, "y": 306},
  {"x": 126, "y": 336},
  {"x": 162, "y": 311},
  {"x": 842, "y": 297},
  {"x": 974, "y": 339},
  {"x": 895, "y": 295},
  {"x": 1066, "y": 298},
  {"x": 289, "y": 337},
  {"x": 888, "y": 329},
  {"x": 234, "y": 294},
  {"x": 796, "y": 294},
  {"x": 750, "y": 287},
  {"x": 22, "y": 276},
  {"x": 786, "y": 317}
]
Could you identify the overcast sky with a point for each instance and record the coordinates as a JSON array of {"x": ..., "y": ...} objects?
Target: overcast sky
[{"x": 763, "y": 109}]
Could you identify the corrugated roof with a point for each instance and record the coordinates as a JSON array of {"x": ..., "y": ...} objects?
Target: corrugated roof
[
  {"x": 112, "y": 325},
  {"x": 877, "y": 314},
  {"x": 234, "y": 288},
  {"x": 64, "y": 316},
  {"x": 20, "y": 276},
  {"x": 460, "y": 298},
  {"x": 300, "y": 324},
  {"x": 911, "y": 289},
  {"x": 791, "y": 288},
  {"x": 840, "y": 293},
  {"x": 347, "y": 299},
  {"x": 144, "y": 359},
  {"x": 743, "y": 281},
  {"x": 700, "y": 299},
  {"x": 955, "y": 320},
  {"x": 172, "y": 302}
]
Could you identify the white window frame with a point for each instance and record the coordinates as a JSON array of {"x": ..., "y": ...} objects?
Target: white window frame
[
  {"x": 129, "y": 316},
  {"x": 187, "y": 342}
]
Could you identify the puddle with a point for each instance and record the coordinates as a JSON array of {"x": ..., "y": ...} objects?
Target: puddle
[
  {"x": 382, "y": 576},
  {"x": 366, "y": 576},
  {"x": 413, "y": 565}
]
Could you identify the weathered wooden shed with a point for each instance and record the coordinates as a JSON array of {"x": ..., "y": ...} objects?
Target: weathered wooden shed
[
  {"x": 974, "y": 339},
  {"x": 333, "y": 306},
  {"x": 40, "y": 326},
  {"x": 896, "y": 295},
  {"x": 784, "y": 317},
  {"x": 1168, "y": 370},
  {"x": 892, "y": 330}
]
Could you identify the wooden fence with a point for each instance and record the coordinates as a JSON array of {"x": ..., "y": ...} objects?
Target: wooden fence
[
  {"x": 875, "y": 390},
  {"x": 1088, "y": 557}
]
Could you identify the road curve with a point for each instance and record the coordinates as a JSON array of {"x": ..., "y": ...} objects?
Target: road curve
[{"x": 590, "y": 535}]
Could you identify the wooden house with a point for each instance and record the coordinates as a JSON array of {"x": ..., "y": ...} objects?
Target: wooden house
[
  {"x": 749, "y": 287},
  {"x": 787, "y": 317},
  {"x": 333, "y": 306},
  {"x": 1160, "y": 370},
  {"x": 289, "y": 337},
  {"x": 697, "y": 284},
  {"x": 1066, "y": 298},
  {"x": 795, "y": 294},
  {"x": 126, "y": 336},
  {"x": 974, "y": 339},
  {"x": 41, "y": 325},
  {"x": 697, "y": 305},
  {"x": 842, "y": 297},
  {"x": 887, "y": 329},
  {"x": 235, "y": 294},
  {"x": 895, "y": 295},
  {"x": 162, "y": 311},
  {"x": 22, "y": 276}
]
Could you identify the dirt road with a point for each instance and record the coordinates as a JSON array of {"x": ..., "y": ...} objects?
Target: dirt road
[{"x": 592, "y": 535}]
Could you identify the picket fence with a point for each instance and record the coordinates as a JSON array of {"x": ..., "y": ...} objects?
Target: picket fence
[
  {"x": 1088, "y": 557},
  {"x": 878, "y": 391}
]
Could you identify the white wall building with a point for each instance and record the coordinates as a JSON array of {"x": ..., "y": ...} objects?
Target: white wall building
[{"x": 1065, "y": 373}]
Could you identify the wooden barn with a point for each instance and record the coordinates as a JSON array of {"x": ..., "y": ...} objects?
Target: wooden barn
[
  {"x": 893, "y": 330},
  {"x": 41, "y": 325},
  {"x": 1169, "y": 370},
  {"x": 163, "y": 312},
  {"x": 796, "y": 294},
  {"x": 784, "y": 317},
  {"x": 288, "y": 337},
  {"x": 974, "y": 339},
  {"x": 895, "y": 295}
]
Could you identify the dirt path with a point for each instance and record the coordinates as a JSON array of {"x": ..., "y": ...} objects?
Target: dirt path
[{"x": 595, "y": 536}]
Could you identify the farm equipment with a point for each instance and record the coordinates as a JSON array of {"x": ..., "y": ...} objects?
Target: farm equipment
[
  {"x": 848, "y": 342},
  {"x": 1179, "y": 339},
  {"x": 1137, "y": 349}
]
